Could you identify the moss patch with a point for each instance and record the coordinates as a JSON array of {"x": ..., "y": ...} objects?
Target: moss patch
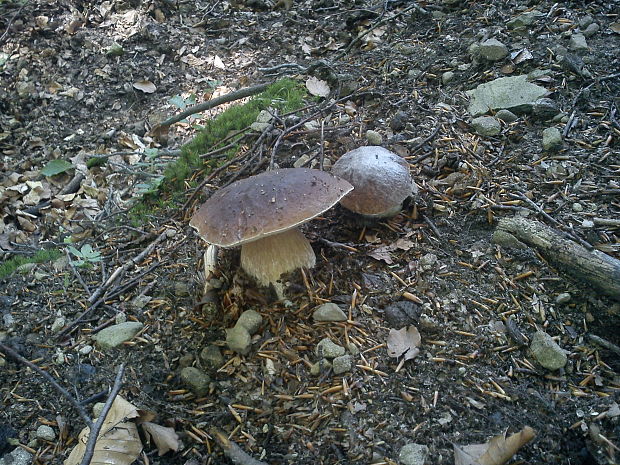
[{"x": 42, "y": 256}]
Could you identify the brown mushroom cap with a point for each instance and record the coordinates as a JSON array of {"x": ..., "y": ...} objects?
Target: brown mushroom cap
[
  {"x": 381, "y": 179},
  {"x": 266, "y": 204}
]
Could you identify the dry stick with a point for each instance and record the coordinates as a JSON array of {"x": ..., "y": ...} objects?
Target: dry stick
[
  {"x": 235, "y": 453},
  {"x": 605, "y": 343},
  {"x": 76, "y": 272},
  {"x": 70, "y": 188},
  {"x": 7, "y": 350},
  {"x": 96, "y": 428},
  {"x": 574, "y": 237},
  {"x": 129, "y": 264},
  {"x": 98, "y": 297},
  {"x": 230, "y": 97}
]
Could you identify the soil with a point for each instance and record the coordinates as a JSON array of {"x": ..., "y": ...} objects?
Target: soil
[{"x": 475, "y": 304}]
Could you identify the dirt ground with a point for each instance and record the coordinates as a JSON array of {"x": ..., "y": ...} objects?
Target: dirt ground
[{"x": 63, "y": 95}]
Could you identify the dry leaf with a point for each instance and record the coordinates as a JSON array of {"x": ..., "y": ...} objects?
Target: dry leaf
[
  {"x": 317, "y": 87},
  {"x": 165, "y": 438},
  {"x": 404, "y": 341},
  {"x": 382, "y": 254},
  {"x": 118, "y": 442},
  {"x": 495, "y": 452},
  {"x": 615, "y": 27},
  {"x": 145, "y": 86}
]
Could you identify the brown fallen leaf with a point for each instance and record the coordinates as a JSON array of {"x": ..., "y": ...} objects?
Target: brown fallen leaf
[
  {"x": 497, "y": 451},
  {"x": 404, "y": 341},
  {"x": 165, "y": 438},
  {"x": 118, "y": 442}
]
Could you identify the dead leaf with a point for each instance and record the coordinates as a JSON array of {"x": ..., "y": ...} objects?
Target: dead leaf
[
  {"x": 404, "y": 341},
  {"x": 382, "y": 254},
  {"x": 521, "y": 55},
  {"x": 497, "y": 451},
  {"x": 145, "y": 86},
  {"x": 118, "y": 442},
  {"x": 615, "y": 27},
  {"x": 317, "y": 87},
  {"x": 165, "y": 438}
]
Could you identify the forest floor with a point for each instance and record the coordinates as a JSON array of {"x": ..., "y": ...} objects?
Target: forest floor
[{"x": 80, "y": 79}]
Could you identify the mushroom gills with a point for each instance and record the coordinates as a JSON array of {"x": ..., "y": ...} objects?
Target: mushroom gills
[{"x": 268, "y": 258}]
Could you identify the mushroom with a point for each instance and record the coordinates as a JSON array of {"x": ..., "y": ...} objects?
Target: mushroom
[
  {"x": 261, "y": 214},
  {"x": 381, "y": 180}
]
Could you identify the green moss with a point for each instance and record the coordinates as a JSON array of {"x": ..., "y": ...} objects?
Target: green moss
[
  {"x": 42, "y": 256},
  {"x": 284, "y": 96}
]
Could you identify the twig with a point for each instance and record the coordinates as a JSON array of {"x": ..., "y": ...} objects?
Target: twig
[
  {"x": 235, "y": 453},
  {"x": 605, "y": 343},
  {"x": 431, "y": 225},
  {"x": 76, "y": 272},
  {"x": 230, "y": 97},
  {"x": 96, "y": 428},
  {"x": 129, "y": 264},
  {"x": 8, "y": 26},
  {"x": 70, "y": 188},
  {"x": 7, "y": 350}
]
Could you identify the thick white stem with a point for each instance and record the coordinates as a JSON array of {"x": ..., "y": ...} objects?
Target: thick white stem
[{"x": 268, "y": 258}]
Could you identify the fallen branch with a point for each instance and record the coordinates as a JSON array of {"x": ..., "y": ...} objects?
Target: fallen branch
[
  {"x": 235, "y": 453},
  {"x": 204, "y": 106},
  {"x": 597, "y": 269},
  {"x": 95, "y": 427}
]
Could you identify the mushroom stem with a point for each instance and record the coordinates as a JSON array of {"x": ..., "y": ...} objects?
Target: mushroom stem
[{"x": 268, "y": 258}]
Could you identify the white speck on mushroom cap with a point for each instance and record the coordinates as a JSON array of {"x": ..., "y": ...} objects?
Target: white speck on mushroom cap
[
  {"x": 381, "y": 179},
  {"x": 241, "y": 213}
]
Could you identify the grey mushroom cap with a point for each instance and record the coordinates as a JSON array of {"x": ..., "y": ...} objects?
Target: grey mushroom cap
[
  {"x": 381, "y": 180},
  {"x": 266, "y": 204}
]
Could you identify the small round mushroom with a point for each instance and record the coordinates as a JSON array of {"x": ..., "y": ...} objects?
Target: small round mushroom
[
  {"x": 381, "y": 180},
  {"x": 261, "y": 214}
]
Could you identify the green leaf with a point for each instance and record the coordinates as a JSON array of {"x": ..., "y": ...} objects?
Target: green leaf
[
  {"x": 151, "y": 153},
  {"x": 55, "y": 167},
  {"x": 177, "y": 101},
  {"x": 74, "y": 251}
]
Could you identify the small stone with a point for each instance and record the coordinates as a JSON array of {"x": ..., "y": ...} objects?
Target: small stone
[
  {"x": 402, "y": 313},
  {"x": 492, "y": 50},
  {"x": 591, "y": 30},
  {"x": 238, "y": 339},
  {"x": 545, "y": 108},
  {"x": 250, "y": 320},
  {"x": 585, "y": 21},
  {"x": 328, "y": 349},
  {"x": 587, "y": 224},
  {"x": 8, "y": 320},
  {"x": 506, "y": 116},
  {"x": 413, "y": 454},
  {"x": 196, "y": 380},
  {"x": 114, "y": 336},
  {"x": 329, "y": 312},
  {"x": 524, "y": 20},
  {"x": 58, "y": 324},
  {"x": 577, "y": 207},
  {"x": 486, "y": 126},
  {"x": 578, "y": 42},
  {"x": 447, "y": 77},
  {"x": 551, "y": 139},
  {"x": 212, "y": 357},
  {"x": 85, "y": 350},
  {"x": 352, "y": 348},
  {"x": 320, "y": 367},
  {"x": 186, "y": 361},
  {"x": 399, "y": 121},
  {"x": 547, "y": 352},
  {"x": 373, "y": 137},
  {"x": 342, "y": 364},
  {"x": 181, "y": 289},
  {"x": 120, "y": 318},
  {"x": 97, "y": 409},
  {"x": 46, "y": 433},
  {"x": 115, "y": 50},
  {"x": 563, "y": 298},
  {"x": 427, "y": 261},
  {"x": 17, "y": 457}
]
